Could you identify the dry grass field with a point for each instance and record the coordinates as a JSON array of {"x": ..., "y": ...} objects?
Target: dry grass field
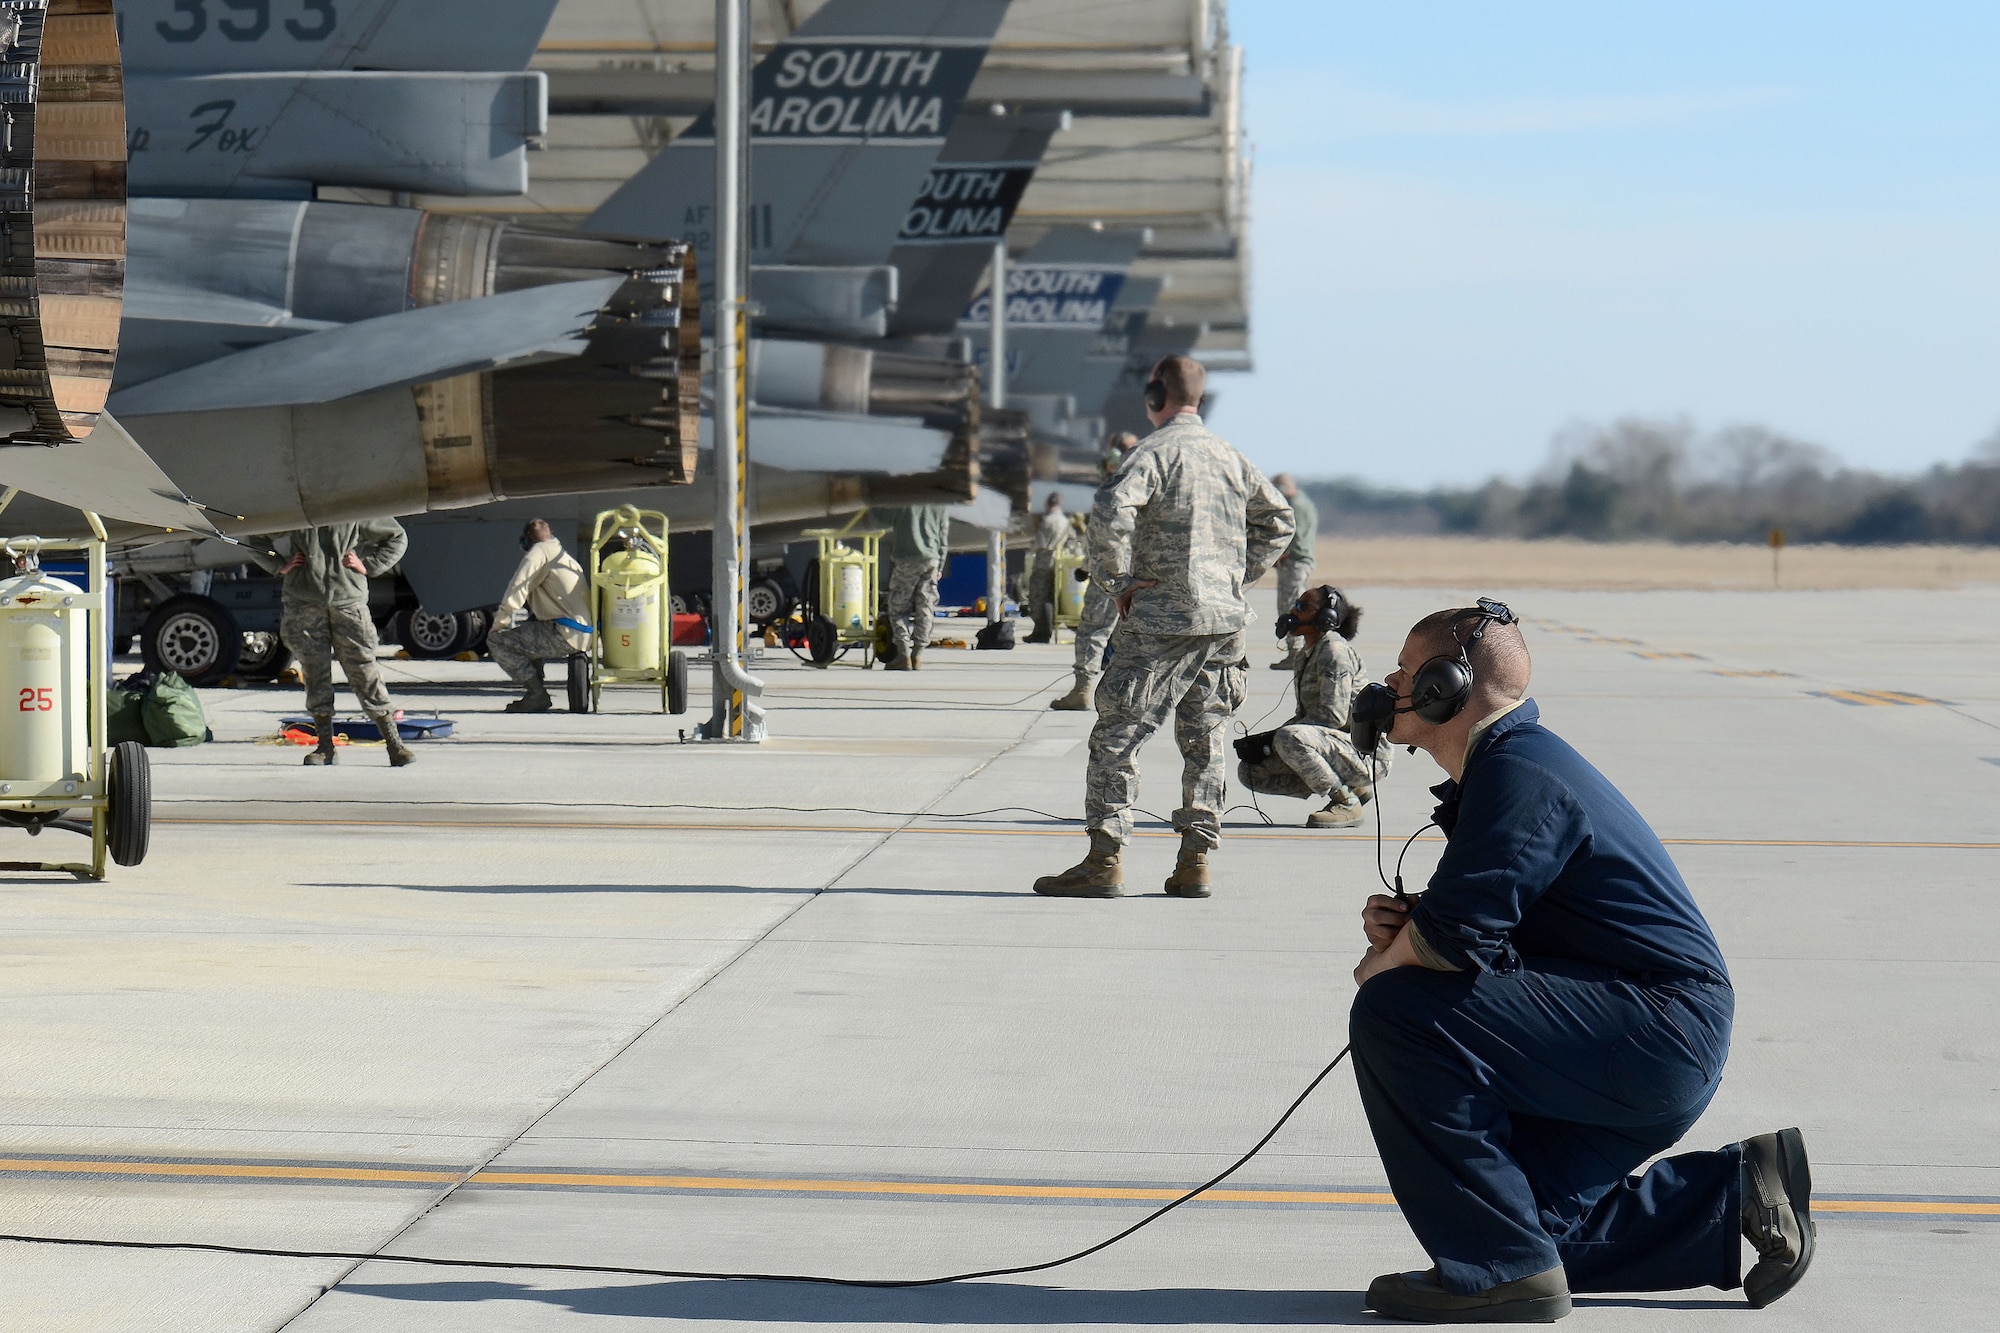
[{"x": 1640, "y": 566}]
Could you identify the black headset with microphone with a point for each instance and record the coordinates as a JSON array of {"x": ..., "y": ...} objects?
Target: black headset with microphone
[
  {"x": 1438, "y": 690},
  {"x": 1332, "y": 610},
  {"x": 1441, "y": 686},
  {"x": 1156, "y": 394}
]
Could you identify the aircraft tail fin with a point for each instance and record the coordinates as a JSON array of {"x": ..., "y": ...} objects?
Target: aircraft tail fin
[{"x": 846, "y": 118}]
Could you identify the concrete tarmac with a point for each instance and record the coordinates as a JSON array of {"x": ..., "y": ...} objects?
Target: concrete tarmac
[{"x": 572, "y": 991}]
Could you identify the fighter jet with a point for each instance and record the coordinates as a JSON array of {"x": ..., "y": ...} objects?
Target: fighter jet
[{"x": 293, "y": 361}]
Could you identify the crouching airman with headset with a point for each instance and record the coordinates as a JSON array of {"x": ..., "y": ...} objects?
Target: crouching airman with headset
[
  {"x": 1550, "y": 1013},
  {"x": 1312, "y": 756}
]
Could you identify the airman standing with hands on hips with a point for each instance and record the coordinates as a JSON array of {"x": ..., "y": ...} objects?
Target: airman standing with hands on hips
[
  {"x": 326, "y": 572},
  {"x": 1180, "y": 531}
]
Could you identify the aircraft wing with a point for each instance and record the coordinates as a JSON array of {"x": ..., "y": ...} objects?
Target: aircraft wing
[
  {"x": 389, "y": 351},
  {"x": 107, "y": 474}
]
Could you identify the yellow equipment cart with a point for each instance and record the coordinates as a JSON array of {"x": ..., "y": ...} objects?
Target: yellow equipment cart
[
  {"x": 631, "y": 640},
  {"x": 846, "y": 596},
  {"x": 1070, "y": 557},
  {"x": 55, "y": 678}
]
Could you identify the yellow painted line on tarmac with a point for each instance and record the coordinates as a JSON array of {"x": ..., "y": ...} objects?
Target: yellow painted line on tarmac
[
  {"x": 231, "y": 1171},
  {"x": 926, "y": 1188},
  {"x": 942, "y": 1189}
]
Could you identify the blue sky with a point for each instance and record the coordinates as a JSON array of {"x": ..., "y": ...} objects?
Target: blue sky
[{"x": 1476, "y": 222}]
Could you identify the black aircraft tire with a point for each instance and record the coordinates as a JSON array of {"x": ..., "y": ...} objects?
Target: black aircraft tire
[
  {"x": 128, "y": 816},
  {"x": 433, "y": 638},
  {"x": 265, "y": 656},
  {"x": 578, "y": 681},
  {"x": 193, "y": 636},
  {"x": 677, "y": 682}
]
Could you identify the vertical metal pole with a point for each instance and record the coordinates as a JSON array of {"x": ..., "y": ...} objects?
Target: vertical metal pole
[
  {"x": 735, "y": 710},
  {"x": 996, "y": 396}
]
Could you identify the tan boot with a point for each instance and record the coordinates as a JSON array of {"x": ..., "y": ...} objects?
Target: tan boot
[
  {"x": 1098, "y": 875},
  {"x": 898, "y": 664},
  {"x": 324, "y": 753},
  {"x": 400, "y": 755},
  {"x": 1343, "y": 810},
  {"x": 1190, "y": 877},
  {"x": 1077, "y": 700}
]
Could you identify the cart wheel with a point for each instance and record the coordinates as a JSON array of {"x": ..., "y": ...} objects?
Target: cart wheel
[
  {"x": 129, "y": 820},
  {"x": 677, "y": 682},
  {"x": 822, "y": 641},
  {"x": 579, "y": 683}
]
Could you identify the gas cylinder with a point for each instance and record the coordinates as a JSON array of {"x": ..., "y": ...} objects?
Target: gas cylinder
[
  {"x": 44, "y": 698},
  {"x": 847, "y": 588},
  {"x": 631, "y": 611},
  {"x": 1069, "y": 591}
]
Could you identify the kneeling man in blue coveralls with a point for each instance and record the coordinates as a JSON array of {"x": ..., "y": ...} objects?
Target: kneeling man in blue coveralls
[{"x": 1552, "y": 1012}]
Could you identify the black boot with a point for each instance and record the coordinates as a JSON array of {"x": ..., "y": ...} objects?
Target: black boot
[
  {"x": 1777, "y": 1213},
  {"x": 323, "y": 753}
]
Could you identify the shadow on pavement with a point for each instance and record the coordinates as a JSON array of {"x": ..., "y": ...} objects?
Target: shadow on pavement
[{"x": 969, "y": 1303}]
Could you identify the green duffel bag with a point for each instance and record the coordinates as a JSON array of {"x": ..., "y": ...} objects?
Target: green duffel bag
[
  {"x": 172, "y": 713},
  {"x": 125, "y": 716}
]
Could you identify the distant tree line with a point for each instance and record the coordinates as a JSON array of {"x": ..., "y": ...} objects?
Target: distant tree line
[{"x": 1639, "y": 478}]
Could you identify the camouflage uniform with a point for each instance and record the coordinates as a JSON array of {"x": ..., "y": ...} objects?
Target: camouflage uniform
[
  {"x": 1051, "y": 531},
  {"x": 326, "y": 605},
  {"x": 913, "y": 602},
  {"x": 519, "y": 650},
  {"x": 318, "y": 634},
  {"x": 1295, "y": 566},
  {"x": 918, "y": 540},
  {"x": 1313, "y": 755},
  {"x": 1093, "y": 631},
  {"x": 1191, "y": 514}
]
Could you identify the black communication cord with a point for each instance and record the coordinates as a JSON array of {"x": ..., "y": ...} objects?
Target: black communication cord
[
  {"x": 1375, "y": 779},
  {"x": 615, "y": 1270}
]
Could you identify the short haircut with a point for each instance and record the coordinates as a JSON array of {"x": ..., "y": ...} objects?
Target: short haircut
[
  {"x": 532, "y": 523},
  {"x": 1185, "y": 378},
  {"x": 1124, "y": 439},
  {"x": 1499, "y": 657}
]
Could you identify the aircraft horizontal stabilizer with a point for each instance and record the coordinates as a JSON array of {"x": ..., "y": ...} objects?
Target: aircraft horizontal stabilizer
[
  {"x": 839, "y": 442},
  {"x": 389, "y": 351},
  {"x": 107, "y": 474}
]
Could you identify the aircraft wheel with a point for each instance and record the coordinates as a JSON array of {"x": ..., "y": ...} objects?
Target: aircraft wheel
[{"x": 194, "y": 637}]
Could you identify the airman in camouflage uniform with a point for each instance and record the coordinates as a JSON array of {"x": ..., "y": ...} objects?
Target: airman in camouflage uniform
[
  {"x": 1294, "y": 569},
  {"x": 918, "y": 540},
  {"x": 1100, "y": 613},
  {"x": 1175, "y": 537},
  {"x": 326, "y": 574},
  {"x": 1313, "y": 756}
]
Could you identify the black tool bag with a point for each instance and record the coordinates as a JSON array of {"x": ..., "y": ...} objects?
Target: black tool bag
[{"x": 1255, "y": 749}]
